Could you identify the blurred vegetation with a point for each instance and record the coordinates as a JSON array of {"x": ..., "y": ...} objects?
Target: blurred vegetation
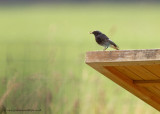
[
  {"x": 75, "y": 1},
  {"x": 43, "y": 50}
]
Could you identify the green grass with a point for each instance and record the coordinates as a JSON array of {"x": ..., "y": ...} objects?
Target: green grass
[{"x": 43, "y": 50}]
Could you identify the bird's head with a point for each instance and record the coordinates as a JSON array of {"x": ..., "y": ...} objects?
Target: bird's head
[{"x": 95, "y": 33}]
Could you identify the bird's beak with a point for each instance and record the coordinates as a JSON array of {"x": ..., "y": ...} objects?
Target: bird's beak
[{"x": 91, "y": 32}]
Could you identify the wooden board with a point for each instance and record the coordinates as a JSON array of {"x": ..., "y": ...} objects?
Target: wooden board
[{"x": 138, "y": 71}]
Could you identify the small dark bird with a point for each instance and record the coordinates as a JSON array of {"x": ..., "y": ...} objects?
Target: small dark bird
[{"x": 103, "y": 40}]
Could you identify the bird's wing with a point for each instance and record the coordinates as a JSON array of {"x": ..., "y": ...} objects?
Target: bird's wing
[
  {"x": 104, "y": 36},
  {"x": 113, "y": 45},
  {"x": 101, "y": 39}
]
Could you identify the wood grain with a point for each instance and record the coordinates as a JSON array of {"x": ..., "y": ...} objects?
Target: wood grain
[
  {"x": 137, "y": 71},
  {"x": 147, "y": 83},
  {"x": 155, "y": 69},
  {"x": 124, "y": 57},
  {"x": 142, "y": 72},
  {"x": 130, "y": 74}
]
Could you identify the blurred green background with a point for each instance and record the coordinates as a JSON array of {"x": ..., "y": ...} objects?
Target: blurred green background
[{"x": 42, "y": 56}]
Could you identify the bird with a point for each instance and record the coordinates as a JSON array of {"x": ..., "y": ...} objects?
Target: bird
[{"x": 103, "y": 40}]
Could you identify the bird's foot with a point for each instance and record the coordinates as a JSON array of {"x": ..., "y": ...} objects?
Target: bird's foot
[{"x": 104, "y": 49}]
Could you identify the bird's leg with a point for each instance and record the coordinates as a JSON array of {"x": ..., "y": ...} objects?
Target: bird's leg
[{"x": 105, "y": 48}]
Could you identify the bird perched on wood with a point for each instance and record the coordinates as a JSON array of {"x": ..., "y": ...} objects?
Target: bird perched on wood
[{"x": 103, "y": 40}]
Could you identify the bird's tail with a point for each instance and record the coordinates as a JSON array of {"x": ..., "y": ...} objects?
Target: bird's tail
[{"x": 115, "y": 47}]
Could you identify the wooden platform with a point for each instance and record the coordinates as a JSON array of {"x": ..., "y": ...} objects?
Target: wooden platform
[{"x": 138, "y": 71}]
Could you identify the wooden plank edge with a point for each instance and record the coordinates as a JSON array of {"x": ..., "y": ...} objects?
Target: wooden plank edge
[
  {"x": 124, "y": 56},
  {"x": 125, "y": 63}
]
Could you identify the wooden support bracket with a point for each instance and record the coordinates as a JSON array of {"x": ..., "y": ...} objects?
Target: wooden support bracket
[{"x": 145, "y": 83}]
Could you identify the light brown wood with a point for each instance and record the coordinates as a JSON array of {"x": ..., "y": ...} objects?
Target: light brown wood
[
  {"x": 127, "y": 72},
  {"x": 142, "y": 72},
  {"x": 155, "y": 69},
  {"x": 124, "y": 57},
  {"x": 153, "y": 90},
  {"x": 138, "y": 71}
]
